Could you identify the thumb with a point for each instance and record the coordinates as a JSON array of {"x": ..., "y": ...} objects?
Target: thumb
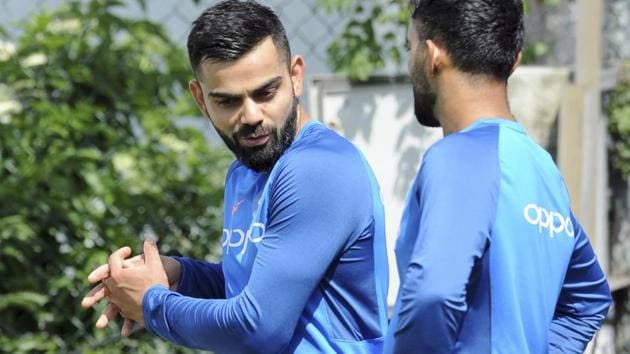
[{"x": 152, "y": 254}]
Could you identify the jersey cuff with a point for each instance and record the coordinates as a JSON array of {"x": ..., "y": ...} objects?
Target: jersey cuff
[{"x": 153, "y": 313}]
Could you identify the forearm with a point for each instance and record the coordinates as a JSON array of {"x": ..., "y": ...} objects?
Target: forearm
[
  {"x": 200, "y": 279},
  {"x": 428, "y": 320},
  {"x": 584, "y": 300},
  {"x": 219, "y": 325},
  {"x": 568, "y": 334}
]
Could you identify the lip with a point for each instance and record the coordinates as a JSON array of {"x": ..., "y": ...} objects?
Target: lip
[{"x": 255, "y": 141}]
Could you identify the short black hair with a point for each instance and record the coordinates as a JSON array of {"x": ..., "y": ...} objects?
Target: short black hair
[
  {"x": 229, "y": 29},
  {"x": 481, "y": 36}
]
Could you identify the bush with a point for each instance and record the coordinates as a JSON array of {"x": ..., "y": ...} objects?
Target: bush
[
  {"x": 90, "y": 160},
  {"x": 619, "y": 114}
]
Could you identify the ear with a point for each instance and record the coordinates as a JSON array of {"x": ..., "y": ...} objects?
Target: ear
[
  {"x": 436, "y": 58},
  {"x": 298, "y": 69},
  {"x": 197, "y": 94},
  {"x": 519, "y": 57}
]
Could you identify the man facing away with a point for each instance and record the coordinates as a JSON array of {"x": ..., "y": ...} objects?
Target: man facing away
[
  {"x": 304, "y": 267},
  {"x": 491, "y": 258}
]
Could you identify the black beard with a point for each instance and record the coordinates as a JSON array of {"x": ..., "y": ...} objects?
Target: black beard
[
  {"x": 424, "y": 103},
  {"x": 263, "y": 158}
]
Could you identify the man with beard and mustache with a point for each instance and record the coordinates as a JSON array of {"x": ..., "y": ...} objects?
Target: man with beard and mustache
[
  {"x": 490, "y": 256},
  {"x": 304, "y": 265}
]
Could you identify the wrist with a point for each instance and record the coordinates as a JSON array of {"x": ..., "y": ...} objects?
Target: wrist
[{"x": 173, "y": 271}]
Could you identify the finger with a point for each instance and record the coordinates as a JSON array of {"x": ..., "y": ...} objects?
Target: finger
[
  {"x": 116, "y": 260},
  {"x": 95, "y": 295},
  {"x": 133, "y": 261},
  {"x": 107, "y": 316},
  {"x": 127, "y": 328},
  {"x": 99, "y": 274},
  {"x": 152, "y": 254},
  {"x": 102, "y": 271}
]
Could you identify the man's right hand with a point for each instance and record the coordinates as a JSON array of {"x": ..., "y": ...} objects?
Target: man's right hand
[{"x": 173, "y": 271}]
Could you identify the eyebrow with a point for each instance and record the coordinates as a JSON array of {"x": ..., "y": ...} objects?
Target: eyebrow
[{"x": 260, "y": 89}]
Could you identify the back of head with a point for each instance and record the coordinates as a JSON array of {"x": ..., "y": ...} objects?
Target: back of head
[
  {"x": 230, "y": 29},
  {"x": 482, "y": 37}
]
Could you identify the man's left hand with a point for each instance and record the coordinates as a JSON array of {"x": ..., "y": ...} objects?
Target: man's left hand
[{"x": 127, "y": 286}]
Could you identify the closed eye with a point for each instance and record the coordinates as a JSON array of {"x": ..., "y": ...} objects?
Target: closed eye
[
  {"x": 267, "y": 91},
  {"x": 265, "y": 95},
  {"x": 227, "y": 101}
]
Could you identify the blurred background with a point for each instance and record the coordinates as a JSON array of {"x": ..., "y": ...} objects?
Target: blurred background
[{"x": 100, "y": 144}]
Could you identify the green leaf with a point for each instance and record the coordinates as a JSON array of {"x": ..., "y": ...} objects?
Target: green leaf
[{"x": 24, "y": 299}]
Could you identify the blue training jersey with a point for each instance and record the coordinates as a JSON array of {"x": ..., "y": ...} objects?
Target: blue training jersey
[
  {"x": 491, "y": 258},
  {"x": 304, "y": 264}
]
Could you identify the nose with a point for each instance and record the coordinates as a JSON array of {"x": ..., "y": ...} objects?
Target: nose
[{"x": 251, "y": 114}]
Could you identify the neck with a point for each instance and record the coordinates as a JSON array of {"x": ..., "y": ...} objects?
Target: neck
[
  {"x": 302, "y": 118},
  {"x": 462, "y": 100}
]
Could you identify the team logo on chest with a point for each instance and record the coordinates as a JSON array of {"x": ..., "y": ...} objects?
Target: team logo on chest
[{"x": 236, "y": 206}]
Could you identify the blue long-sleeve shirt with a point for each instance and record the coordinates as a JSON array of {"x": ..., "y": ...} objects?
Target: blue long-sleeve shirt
[
  {"x": 304, "y": 264},
  {"x": 490, "y": 257}
]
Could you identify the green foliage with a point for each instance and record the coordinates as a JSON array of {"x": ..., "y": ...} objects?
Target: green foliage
[
  {"x": 375, "y": 35},
  {"x": 619, "y": 126},
  {"x": 361, "y": 49},
  {"x": 91, "y": 160}
]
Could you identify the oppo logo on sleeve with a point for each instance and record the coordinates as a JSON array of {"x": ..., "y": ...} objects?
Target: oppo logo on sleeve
[{"x": 548, "y": 222}]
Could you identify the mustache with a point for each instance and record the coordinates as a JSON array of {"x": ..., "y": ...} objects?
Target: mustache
[{"x": 249, "y": 131}]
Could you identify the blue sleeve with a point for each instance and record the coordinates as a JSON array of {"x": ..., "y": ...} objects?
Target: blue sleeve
[
  {"x": 583, "y": 302},
  {"x": 201, "y": 279},
  {"x": 313, "y": 210},
  {"x": 457, "y": 198}
]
